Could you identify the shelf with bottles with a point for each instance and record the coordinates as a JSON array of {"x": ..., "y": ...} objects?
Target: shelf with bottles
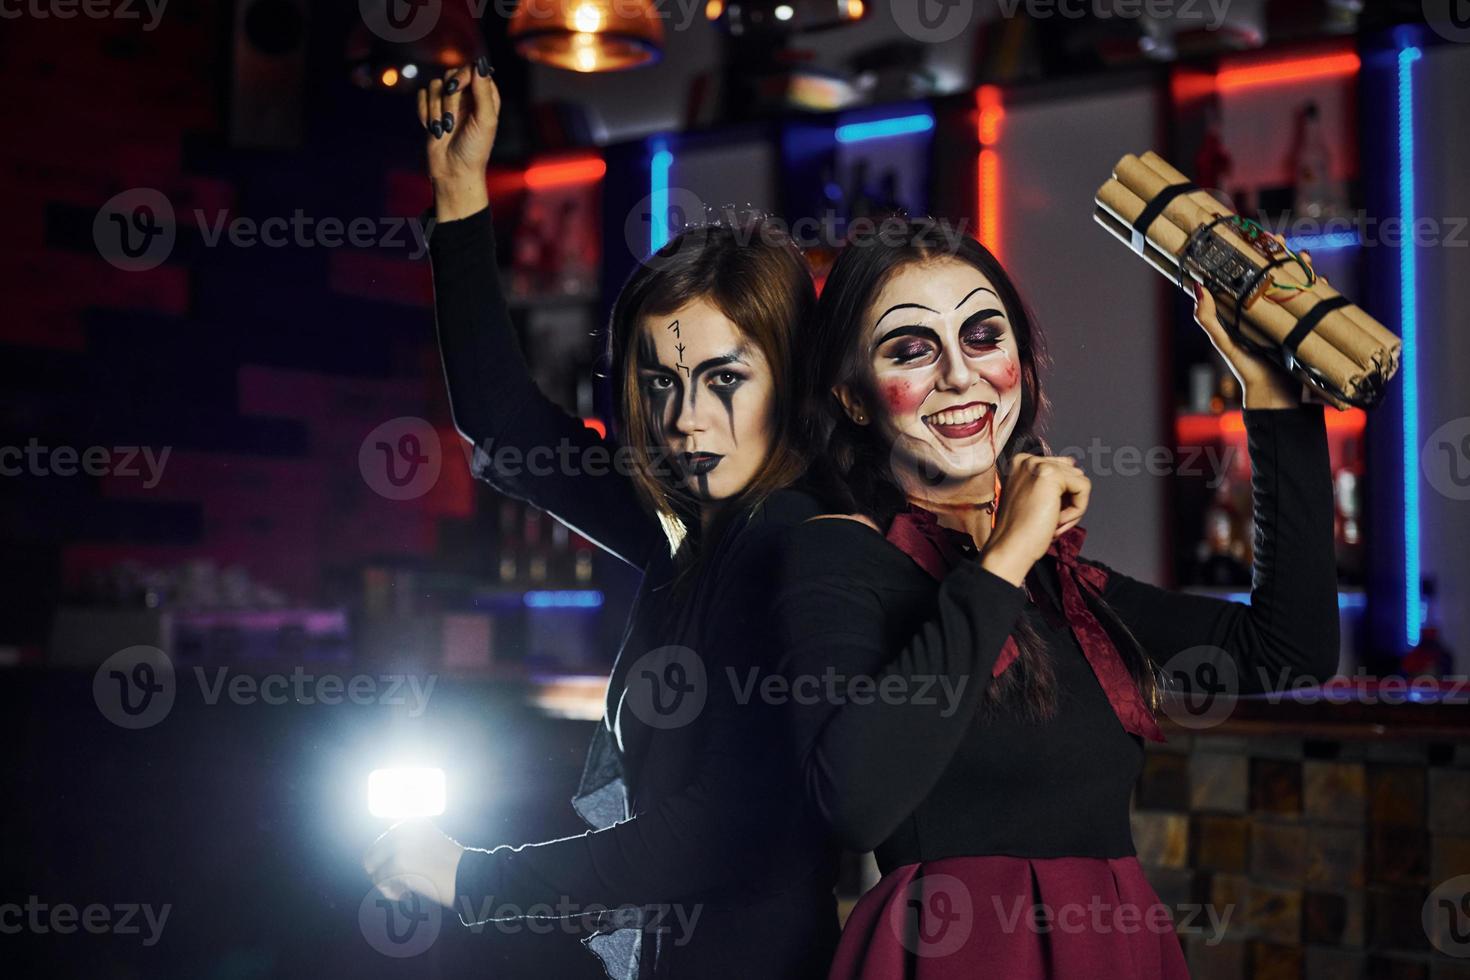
[
  {"x": 1213, "y": 504},
  {"x": 1274, "y": 135}
]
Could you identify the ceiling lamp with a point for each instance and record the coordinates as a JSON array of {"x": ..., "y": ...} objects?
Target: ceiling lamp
[{"x": 588, "y": 35}]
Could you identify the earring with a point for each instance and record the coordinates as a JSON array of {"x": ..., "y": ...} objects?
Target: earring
[{"x": 860, "y": 418}]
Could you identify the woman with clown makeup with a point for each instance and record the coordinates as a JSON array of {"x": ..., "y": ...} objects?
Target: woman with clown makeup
[{"x": 950, "y": 558}]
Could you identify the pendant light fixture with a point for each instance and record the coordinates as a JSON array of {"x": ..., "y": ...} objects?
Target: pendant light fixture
[{"x": 588, "y": 35}]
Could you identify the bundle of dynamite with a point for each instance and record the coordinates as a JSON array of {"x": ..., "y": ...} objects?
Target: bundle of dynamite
[{"x": 1268, "y": 298}]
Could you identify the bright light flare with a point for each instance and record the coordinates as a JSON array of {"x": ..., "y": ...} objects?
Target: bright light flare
[{"x": 396, "y": 794}]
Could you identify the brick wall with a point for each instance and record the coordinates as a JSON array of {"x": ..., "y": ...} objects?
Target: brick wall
[
  {"x": 260, "y": 369},
  {"x": 1323, "y": 852}
]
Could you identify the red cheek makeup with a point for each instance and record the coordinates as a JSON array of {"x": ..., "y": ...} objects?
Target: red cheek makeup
[{"x": 903, "y": 397}]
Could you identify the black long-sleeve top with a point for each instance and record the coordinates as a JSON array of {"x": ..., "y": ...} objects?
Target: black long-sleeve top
[
  {"x": 918, "y": 781},
  {"x": 707, "y": 814}
]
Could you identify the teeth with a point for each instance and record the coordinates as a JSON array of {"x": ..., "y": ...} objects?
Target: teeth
[{"x": 961, "y": 417}]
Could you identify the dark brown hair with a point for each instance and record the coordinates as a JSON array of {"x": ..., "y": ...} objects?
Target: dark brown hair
[
  {"x": 754, "y": 274},
  {"x": 851, "y": 470}
]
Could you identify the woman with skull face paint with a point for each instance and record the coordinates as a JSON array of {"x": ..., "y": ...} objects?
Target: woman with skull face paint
[
  {"x": 697, "y": 848},
  {"x": 1015, "y": 680}
]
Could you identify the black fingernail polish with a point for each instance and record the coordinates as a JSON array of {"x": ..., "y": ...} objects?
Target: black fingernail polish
[
  {"x": 448, "y": 122},
  {"x": 482, "y": 65},
  {"x": 437, "y": 128},
  {"x": 451, "y": 86}
]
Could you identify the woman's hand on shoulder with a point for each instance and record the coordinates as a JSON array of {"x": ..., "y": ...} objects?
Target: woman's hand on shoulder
[{"x": 461, "y": 113}]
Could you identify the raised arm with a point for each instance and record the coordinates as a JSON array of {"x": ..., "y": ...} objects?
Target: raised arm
[
  {"x": 524, "y": 444},
  {"x": 877, "y": 738},
  {"x": 1289, "y": 631}
]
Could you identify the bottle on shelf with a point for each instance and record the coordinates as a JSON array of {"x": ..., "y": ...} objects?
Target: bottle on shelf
[
  {"x": 1212, "y": 163},
  {"x": 1311, "y": 164},
  {"x": 534, "y": 546},
  {"x": 1201, "y": 387},
  {"x": 510, "y": 524},
  {"x": 1223, "y": 555}
]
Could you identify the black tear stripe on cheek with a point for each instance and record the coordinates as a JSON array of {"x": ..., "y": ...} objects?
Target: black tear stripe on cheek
[
  {"x": 703, "y": 480},
  {"x": 659, "y": 403},
  {"x": 727, "y": 398}
]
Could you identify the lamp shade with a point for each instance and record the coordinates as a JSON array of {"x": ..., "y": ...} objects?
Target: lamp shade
[{"x": 588, "y": 35}]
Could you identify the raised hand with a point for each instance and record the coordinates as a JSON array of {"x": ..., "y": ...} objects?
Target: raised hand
[
  {"x": 1263, "y": 382},
  {"x": 461, "y": 113}
]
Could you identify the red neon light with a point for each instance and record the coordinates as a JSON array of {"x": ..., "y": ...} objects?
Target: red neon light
[
  {"x": 1292, "y": 70},
  {"x": 987, "y": 100},
  {"x": 1196, "y": 429},
  {"x": 987, "y": 168},
  {"x": 562, "y": 172},
  {"x": 596, "y": 425},
  {"x": 990, "y": 201}
]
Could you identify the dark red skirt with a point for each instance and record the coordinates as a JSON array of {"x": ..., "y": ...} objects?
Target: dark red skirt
[{"x": 1012, "y": 917}]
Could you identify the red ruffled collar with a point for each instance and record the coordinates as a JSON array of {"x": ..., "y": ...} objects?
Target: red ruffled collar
[{"x": 936, "y": 549}]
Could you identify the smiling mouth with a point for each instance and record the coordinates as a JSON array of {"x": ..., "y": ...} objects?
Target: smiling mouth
[
  {"x": 961, "y": 421},
  {"x": 698, "y": 464}
]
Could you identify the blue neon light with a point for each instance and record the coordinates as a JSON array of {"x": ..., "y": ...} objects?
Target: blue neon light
[
  {"x": 658, "y": 218},
  {"x": 1409, "y": 332},
  {"x": 564, "y": 599},
  {"x": 1345, "y": 600},
  {"x": 879, "y": 129},
  {"x": 1324, "y": 241}
]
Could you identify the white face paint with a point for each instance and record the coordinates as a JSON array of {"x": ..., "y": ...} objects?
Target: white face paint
[
  {"x": 943, "y": 376},
  {"x": 710, "y": 397}
]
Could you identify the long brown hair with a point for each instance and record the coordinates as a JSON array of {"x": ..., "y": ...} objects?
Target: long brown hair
[
  {"x": 851, "y": 470},
  {"x": 753, "y": 273}
]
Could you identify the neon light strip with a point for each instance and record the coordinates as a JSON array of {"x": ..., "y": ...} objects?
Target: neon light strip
[
  {"x": 987, "y": 169},
  {"x": 1345, "y": 600},
  {"x": 561, "y": 172},
  {"x": 1324, "y": 241},
  {"x": 1409, "y": 332},
  {"x": 658, "y": 218},
  {"x": 1293, "y": 70},
  {"x": 564, "y": 599},
  {"x": 879, "y": 129}
]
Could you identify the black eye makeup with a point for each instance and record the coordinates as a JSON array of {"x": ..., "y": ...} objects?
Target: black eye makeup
[
  {"x": 983, "y": 330},
  {"x": 656, "y": 382}
]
